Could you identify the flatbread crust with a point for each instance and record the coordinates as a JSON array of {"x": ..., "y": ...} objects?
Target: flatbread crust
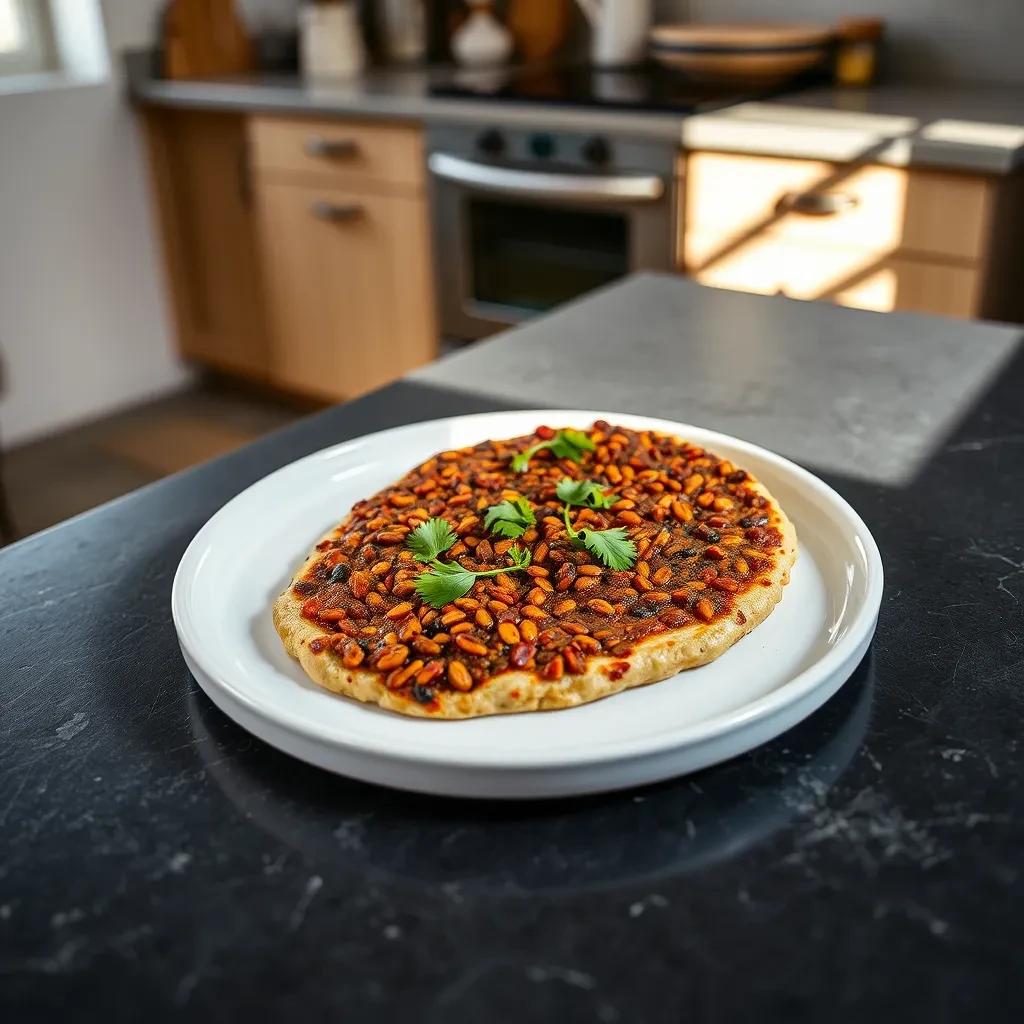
[{"x": 650, "y": 659}]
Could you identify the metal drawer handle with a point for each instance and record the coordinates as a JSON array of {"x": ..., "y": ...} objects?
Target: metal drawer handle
[
  {"x": 817, "y": 204},
  {"x": 335, "y": 212},
  {"x": 334, "y": 149}
]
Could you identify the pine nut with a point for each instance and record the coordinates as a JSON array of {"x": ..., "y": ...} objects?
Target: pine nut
[
  {"x": 392, "y": 657},
  {"x": 508, "y": 632},
  {"x": 459, "y": 677}
]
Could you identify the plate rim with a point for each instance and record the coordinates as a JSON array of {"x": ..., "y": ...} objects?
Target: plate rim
[{"x": 763, "y": 709}]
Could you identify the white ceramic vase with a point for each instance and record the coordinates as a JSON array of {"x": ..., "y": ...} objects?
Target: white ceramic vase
[{"x": 481, "y": 40}]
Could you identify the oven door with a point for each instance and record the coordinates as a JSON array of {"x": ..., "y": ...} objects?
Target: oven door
[{"x": 510, "y": 242}]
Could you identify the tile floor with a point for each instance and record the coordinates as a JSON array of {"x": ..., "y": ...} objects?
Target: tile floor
[{"x": 57, "y": 477}]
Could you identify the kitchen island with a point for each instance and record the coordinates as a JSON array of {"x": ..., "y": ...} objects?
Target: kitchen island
[{"x": 158, "y": 862}]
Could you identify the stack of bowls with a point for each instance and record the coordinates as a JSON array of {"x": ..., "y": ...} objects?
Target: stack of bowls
[{"x": 740, "y": 53}]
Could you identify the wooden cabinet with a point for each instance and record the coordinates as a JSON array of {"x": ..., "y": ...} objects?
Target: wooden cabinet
[
  {"x": 298, "y": 250},
  {"x": 850, "y": 277},
  {"x": 344, "y": 153},
  {"x": 345, "y": 251},
  {"x": 868, "y": 236},
  {"x": 870, "y": 208},
  {"x": 348, "y": 287},
  {"x": 204, "y": 201}
]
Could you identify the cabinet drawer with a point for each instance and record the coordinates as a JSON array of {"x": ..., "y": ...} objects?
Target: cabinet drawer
[
  {"x": 339, "y": 153},
  {"x": 883, "y": 209},
  {"x": 850, "y": 277}
]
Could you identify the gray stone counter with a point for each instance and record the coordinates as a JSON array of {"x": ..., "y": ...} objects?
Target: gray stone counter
[
  {"x": 963, "y": 128},
  {"x": 959, "y": 128},
  {"x": 388, "y": 94},
  {"x": 890, "y": 386}
]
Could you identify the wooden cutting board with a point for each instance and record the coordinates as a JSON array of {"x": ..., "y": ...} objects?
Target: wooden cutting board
[
  {"x": 539, "y": 26},
  {"x": 204, "y": 38}
]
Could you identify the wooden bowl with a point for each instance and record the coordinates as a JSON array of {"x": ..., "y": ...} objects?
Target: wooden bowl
[{"x": 740, "y": 53}]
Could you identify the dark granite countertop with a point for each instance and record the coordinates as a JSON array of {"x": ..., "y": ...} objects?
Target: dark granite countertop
[{"x": 157, "y": 862}]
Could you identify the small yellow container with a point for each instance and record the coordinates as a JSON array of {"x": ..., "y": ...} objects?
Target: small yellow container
[{"x": 857, "y": 46}]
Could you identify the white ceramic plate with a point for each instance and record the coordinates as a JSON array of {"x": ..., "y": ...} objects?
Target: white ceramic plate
[{"x": 776, "y": 676}]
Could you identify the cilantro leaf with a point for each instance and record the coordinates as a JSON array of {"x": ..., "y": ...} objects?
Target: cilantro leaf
[
  {"x": 444, "y": 583},
  {"x": 584, "y": 493},
  {"x": 571, "y": 444},
  {"x": 566, "y": 444},
  {"x": 510, "y": 518},
  {"x": 503, "y": 528},
  {"x": 430, "y": 539},
  {"x": 612, "y": 547},
  {"x": 519, "y": 558}
]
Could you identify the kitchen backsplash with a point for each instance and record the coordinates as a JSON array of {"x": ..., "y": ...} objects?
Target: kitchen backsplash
[
  {"x": 928, "y": 40},
  {"x": 269, "y": 13}
]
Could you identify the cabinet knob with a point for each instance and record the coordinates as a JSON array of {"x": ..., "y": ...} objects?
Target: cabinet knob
[
  {"x": 596, "y": 150},
  {"x": 334, "y": 149},
  {"x": 335, "y": 212},
  {"x": 817, "y": 204}
]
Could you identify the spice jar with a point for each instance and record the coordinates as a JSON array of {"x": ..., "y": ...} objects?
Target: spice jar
[{"x": 857, "y": 45}]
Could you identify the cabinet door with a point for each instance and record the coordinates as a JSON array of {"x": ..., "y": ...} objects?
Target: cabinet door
[
  {"x": 916, "y": 287},
  {"x": 348, "y": 283},
  {"x": 201, "y": 180},
  {"x": 733, "y": 198},
  {"x": 850, "y": 277}
]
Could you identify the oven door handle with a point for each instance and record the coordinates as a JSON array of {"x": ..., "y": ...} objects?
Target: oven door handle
[{"x": 594, "y": 188}]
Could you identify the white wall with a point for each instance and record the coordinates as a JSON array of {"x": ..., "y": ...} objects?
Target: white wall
[
  {"x": 84, "y": 322},
  {"x": 928, "y": 40}
]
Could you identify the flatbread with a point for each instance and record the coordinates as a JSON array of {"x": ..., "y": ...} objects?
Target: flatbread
[{"x": 714, "y": 554}]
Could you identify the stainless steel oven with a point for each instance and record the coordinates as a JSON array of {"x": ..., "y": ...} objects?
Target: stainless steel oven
[{"x": 525, "y": 220}]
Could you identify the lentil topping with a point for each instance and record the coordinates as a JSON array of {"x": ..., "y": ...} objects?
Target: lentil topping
[{"x": 704, "y": 535}]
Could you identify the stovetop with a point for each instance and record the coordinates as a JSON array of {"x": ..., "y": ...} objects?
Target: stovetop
[{"x": 647, "y": 87}]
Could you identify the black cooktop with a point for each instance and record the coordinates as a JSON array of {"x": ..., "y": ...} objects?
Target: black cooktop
[{"x": 648, "y": 87}]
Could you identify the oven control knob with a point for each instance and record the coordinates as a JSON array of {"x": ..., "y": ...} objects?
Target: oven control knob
[
  {"x": 596, "y": 150},
  {"x": 491, "y": 143},
  {"x": 542, "y": 146}
]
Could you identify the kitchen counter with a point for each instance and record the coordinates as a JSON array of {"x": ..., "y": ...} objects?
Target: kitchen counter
[
  {"x": 959, "y": 128},
  {"x": 159, "y": 862},
  {"x": 965, "y": 128},
  {"x": 382, "y": 94}
]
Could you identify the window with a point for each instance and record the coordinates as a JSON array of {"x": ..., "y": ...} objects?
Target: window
[{"x": 26, "y": 45}]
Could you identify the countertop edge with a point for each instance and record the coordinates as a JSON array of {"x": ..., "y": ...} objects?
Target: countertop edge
[
  {"x": 843, "y": 145},
  {"x": 792, "y": 126},
  {"x": 209, "y": 95}
]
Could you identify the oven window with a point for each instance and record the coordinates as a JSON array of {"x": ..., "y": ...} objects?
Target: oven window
[{"x": 532, "y": 257}]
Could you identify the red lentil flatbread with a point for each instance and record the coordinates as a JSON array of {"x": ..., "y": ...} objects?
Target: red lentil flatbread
[{"x": 713, "y": 551}]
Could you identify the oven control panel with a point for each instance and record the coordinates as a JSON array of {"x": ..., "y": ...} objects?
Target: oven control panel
[
  {"x": 491, "y": 143},
  {"x": 542, "y": 149},
  {"x": 595, "y": 150}
]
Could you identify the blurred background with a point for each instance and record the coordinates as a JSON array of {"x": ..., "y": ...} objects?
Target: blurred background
[{"x": 217, "y": 215}]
